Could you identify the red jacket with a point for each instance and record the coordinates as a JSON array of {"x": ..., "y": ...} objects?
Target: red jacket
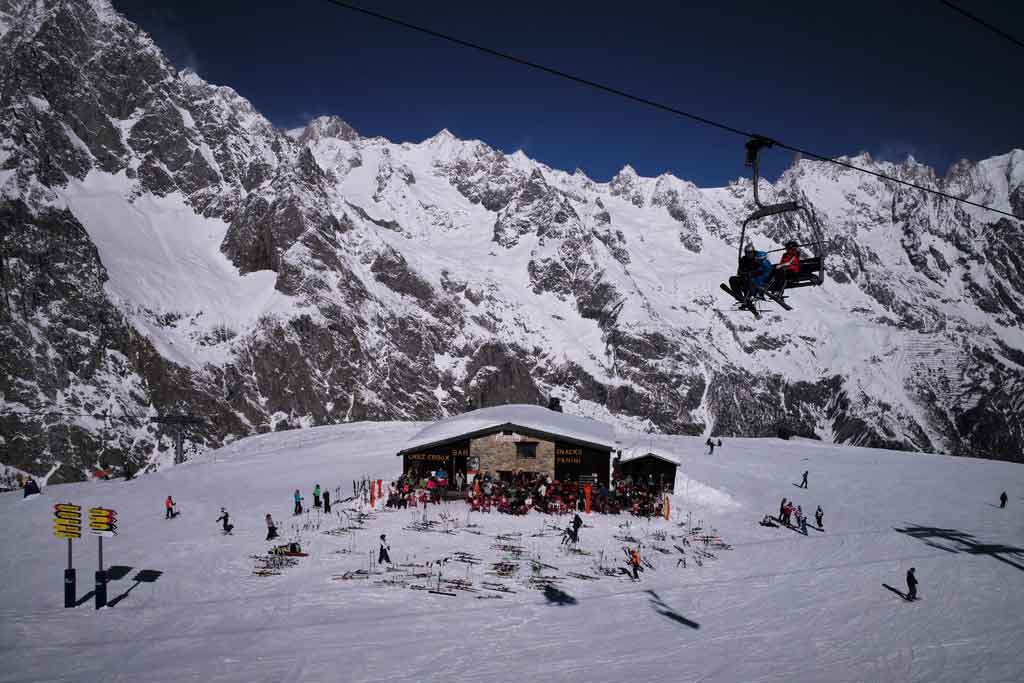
[{"x": 790, "y": 261}]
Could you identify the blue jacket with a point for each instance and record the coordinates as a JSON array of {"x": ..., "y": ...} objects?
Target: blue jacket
[{"x": 764, "y": 269}]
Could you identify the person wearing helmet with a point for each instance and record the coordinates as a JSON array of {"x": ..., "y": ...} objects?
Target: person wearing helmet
[{"x": 753, "y": 274}]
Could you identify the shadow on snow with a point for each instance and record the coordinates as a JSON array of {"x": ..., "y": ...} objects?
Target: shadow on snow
[{"x": 963, "y": 542}]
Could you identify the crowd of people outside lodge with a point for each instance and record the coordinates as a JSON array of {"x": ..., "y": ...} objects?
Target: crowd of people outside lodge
[{"x": 519, "y": 492}]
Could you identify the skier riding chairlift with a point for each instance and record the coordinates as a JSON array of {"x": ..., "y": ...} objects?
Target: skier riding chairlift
[{"x": 755, "y": 277}]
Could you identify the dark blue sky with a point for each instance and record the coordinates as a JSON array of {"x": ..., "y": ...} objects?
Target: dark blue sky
[{"x": 837, "y": 78}]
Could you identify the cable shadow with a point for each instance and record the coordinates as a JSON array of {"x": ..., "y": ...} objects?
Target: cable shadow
[
  {"x": 659, "y": 606},
  {"x": 964, "y": 542}
]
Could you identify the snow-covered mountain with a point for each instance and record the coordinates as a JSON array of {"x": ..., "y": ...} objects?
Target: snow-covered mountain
[{"x": 165, "y": 249}]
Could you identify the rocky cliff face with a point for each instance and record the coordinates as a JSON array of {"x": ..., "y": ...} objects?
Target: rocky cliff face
[{"x": 165, "y": 249}]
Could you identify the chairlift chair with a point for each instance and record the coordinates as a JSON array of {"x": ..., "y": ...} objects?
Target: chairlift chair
[{"x": 812, "y": 269}]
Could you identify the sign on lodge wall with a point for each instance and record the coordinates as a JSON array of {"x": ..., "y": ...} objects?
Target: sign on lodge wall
[
  {"x": 451, "y": 457},
  {"x": 573, "y": 462}
]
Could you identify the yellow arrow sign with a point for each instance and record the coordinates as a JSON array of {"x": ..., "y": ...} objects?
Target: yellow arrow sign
[
  {"x": 64, "y": 524},
  {"x": 67, "y": 507},
  {"x": 67, "y": 515},
  {"x": 62, "y": 534}
]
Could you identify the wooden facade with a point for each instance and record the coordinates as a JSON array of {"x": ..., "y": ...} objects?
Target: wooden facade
[
  {"x": 651, "y": 467},
  {"x": 506, "y": 449}
]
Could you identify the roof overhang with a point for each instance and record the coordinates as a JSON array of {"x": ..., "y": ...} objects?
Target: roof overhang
[{"x": 508, "y": 426}]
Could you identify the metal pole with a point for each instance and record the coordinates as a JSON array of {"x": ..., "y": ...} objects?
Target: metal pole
[
  {"x": 70, "y": 591},
  {"x": 101, "y": 581}
]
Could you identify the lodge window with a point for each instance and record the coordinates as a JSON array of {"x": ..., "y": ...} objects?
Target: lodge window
[{"x": 526, "y": 449}]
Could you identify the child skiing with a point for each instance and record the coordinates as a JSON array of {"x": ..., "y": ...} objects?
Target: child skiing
[
  {"x": 316, "y": 496},
  {"x": 383, "y": 555},
  {"x": 298, "y": 502},
  {"x": 634, "y": 562},
  {"x": 271, "y": 528},
  {"x": 170, "y": 513},
  {"x": 225, "y": 520}
]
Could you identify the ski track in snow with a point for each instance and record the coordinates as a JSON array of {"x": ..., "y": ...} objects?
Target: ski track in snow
[{"x": 778, "y": 606}]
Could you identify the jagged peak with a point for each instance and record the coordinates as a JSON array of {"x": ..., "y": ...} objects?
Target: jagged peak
[
  {"x": 328, "y": 127},
  {"x": 627, "y": 171}
]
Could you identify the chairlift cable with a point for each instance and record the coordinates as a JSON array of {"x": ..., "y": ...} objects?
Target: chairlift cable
[
  {"x": 651, "y": 103},
  {"x": 978, "y": 20}
]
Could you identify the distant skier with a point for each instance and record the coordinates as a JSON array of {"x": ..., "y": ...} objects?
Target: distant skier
[
  {"x": 719, "y": 443},
  {"x": 803, "y": 483},
  {"x": 782, "y": 510},
  {"x": 911, "y": 585},
  {"x": 271, "y": 528},
  {"x": 298, "y": 502},
  {"x": 316, "y": 496},
  {"x": 819, "y": 515},
  {"x": 327, "y": 502},
  {"x": 383, "y": 556},
  {"x": 225, "y": 520},
  {"x": 1002, "y": 499},
  {"x": 577, "y": 522},
  {"x": 802, "y": 523},
  {"x": 170, "y": 512},
  {"x": 711, "y": 446}
]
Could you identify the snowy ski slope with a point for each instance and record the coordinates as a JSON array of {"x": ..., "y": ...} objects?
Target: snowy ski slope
[{"x": 778, "y": 606}]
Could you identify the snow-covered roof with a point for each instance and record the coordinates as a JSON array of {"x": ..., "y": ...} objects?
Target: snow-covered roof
[
  {"x": 533, "y": 418},
  {"x": 637, "y": 453}
]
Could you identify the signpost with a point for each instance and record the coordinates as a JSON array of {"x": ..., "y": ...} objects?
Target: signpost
[
  {"x": 67, "y": 523},
  {"x": 102, "y": 522}
]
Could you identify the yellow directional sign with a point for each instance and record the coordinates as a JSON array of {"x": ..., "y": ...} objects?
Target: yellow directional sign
[
  {"x": 102, "y": 522},
  {"x": 67, "y": 520}
]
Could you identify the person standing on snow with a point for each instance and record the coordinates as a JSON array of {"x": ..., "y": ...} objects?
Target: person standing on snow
[
  {"x": 271, "y": 528},
  {"x": 803, "y": 483},
  {"x": 225, "y": 520},
  {"x": 711, "y": 446},
  {"x": 911, "y": 585},
  {"x": 782, "y": 510},
  {"x": 298, "y": 502},
  {"x": 169, "y": 507},
  {"x": 634, "y": 562},
  {"x": 327, "y": 501},
  {"x": 1002, "y": 499},
  {"x": 819, "y": 515},
  {"x": 383, "y": 555},
  {"x": 316, "y": 496},
  {"x": 577, "y": 522}
]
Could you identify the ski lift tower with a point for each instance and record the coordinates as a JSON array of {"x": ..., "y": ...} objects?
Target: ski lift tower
[{"x": 178, "y": 423}]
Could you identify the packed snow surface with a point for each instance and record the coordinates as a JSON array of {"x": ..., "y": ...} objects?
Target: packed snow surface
[
  {"x": 526, "y": 416},
  {"x": 777, "y": 606}
]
